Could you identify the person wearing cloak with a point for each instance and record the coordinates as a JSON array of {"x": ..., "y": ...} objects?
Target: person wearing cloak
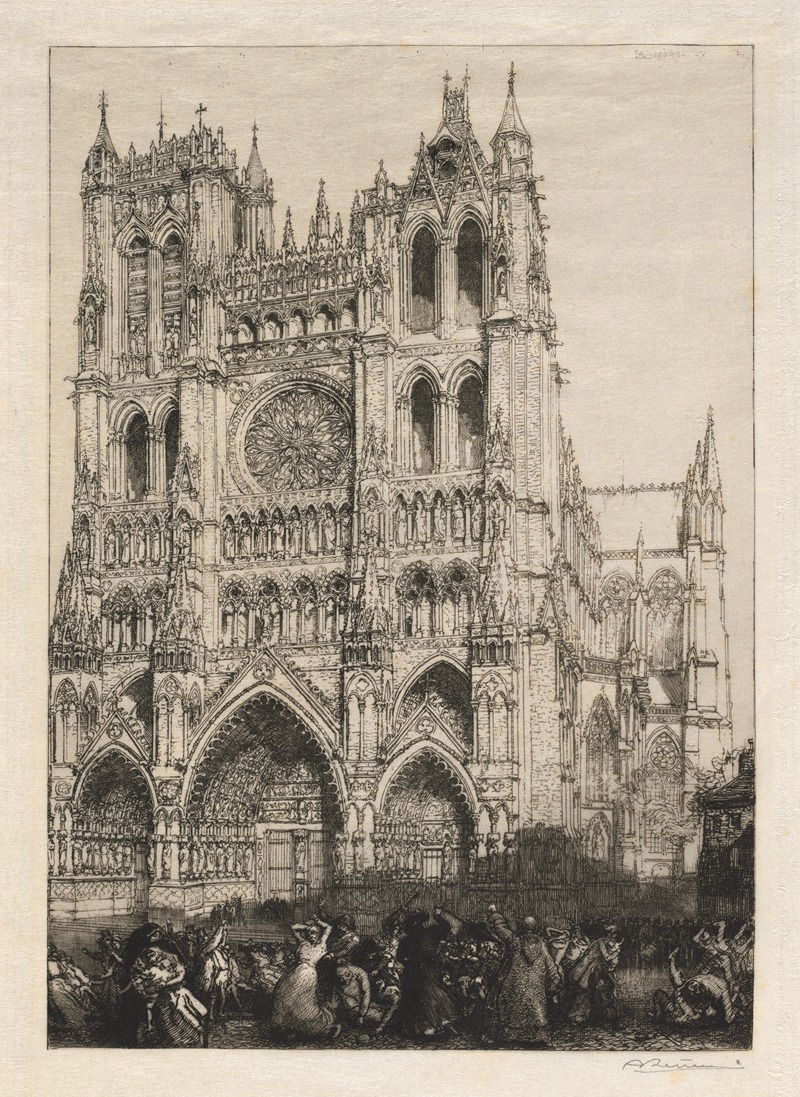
[{"x": 517, "y": 1008}]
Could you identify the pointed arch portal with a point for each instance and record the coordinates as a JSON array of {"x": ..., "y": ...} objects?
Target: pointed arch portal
[
  {"x": 425, "y": 825},
  {"x": 113, "y": 824},
  {"x": 265, "y": 779}
]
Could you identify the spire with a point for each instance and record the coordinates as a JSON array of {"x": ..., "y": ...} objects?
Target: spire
[
  {"x": 369, "y": 612},
  {"x": 322, "y": 216},
  {"x": 640, "y": 558},
  {"x": 355, "y": 237},
  {"x": 103, "y": 139},
  {"x": 495, "y": 601},
  {"x": 381, "y": 181},
  {"x": 288, "y": 232},
  {"x": 511, "y": 123},
  {"x": 72, "y": 622},
  {"x": 711, "y": 478},
  {"x": 255, "y": 169},
  {"x": 178, "y": 621}
]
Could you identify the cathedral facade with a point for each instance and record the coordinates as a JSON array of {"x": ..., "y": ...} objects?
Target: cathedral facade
[{"x": 338, "y": 605}]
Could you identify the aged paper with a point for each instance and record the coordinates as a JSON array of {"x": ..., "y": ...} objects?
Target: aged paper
[{"x": 390, "y": 608}]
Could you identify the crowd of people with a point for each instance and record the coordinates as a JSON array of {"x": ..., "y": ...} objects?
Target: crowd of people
[{"x": 424, "y": 977}]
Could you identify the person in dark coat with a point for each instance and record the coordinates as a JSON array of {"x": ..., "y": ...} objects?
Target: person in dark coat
[
  {"x": 592, "y": 988},
  {"x": 426, "y": 1006},
  {"x": 132, "y": 1009},
  {"x": 518, "y": 1006}
]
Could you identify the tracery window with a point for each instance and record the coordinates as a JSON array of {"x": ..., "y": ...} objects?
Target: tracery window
[
  {"x": 614, "y": 612},
  {"x": 664, "y": 792},
  {"x": 301, "y": 438},
  {"x": 599, "y": 754},
  {"x": 665, "y": 621}
]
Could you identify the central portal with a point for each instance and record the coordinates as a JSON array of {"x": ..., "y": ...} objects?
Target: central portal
[{"x": 266, "y": 778}]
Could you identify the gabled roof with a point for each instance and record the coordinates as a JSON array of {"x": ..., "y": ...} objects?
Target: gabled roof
[{"x": 739, "y": 791}]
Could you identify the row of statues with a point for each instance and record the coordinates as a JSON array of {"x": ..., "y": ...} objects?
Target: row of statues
[{"x": 312, "y": 534}]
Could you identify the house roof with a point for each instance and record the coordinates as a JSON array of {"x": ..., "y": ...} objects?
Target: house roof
[{"x": 741, "y": 790}]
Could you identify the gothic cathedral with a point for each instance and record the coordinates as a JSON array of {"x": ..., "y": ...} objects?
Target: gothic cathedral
[{"x": 338, "y": 606}]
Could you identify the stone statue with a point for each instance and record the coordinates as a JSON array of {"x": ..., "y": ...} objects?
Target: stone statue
[
  {"x": 439, "y": 520},
  {"x": 329, "y": 533},
  {"x": 420, "y": 525}
]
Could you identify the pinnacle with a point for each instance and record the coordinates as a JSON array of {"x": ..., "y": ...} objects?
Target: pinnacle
[
  {"x": 256, "y": 175},
  {"x": 511, "y": 123}
]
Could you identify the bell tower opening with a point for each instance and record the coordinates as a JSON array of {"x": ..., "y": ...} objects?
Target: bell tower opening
[
  {"x": 136, "y": 457},
  {"x": 423, "y": 432},
  {"x": 469, "y": 260},
  {"x": 423, "y": 281},
  {"x": 171, "y": 442},
  {"x": 470, "y": 424}
]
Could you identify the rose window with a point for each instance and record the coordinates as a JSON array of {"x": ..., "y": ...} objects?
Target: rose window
[
  {"x": 300, "y": 439},
  {"x": 664, "y": 755}
]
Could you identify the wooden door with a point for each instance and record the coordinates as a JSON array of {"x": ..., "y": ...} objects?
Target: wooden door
[{"x": 280, "y": 865}]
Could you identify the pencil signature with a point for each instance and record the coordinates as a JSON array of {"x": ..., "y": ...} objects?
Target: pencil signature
[{"x": 657, "y": 1066}]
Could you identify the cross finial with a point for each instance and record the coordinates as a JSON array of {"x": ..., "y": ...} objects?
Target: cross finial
[
  {"x": 255, "y": 131},
  {"x": 161, "y": 122},
  {"x": 447, "y": 78},
  {"x": 201, "y": 110},
  {"x": 103, "y": 104},
  {"x": 511, "y": 75}
]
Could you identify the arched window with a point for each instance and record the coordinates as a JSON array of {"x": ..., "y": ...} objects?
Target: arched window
[
  {"x": 599, "y": 754},
  {"x": 136, "y": 457},
  {"x": 470, "y": 424},
  {"x": 323, "y": 320},
  {"x": 423, "y": 281},
  {"x": 417, "y": 598},
  {"x": 665, "y": 621},
  {"x": 469, "y": 260},
  {"x": 422, "y": 427},
  {"x": 272, "y": 326},
  {"x": 137, "y": 296},
  {"x": 90, "y": 717},
  {"x": 245, "y": 331},
  {"x": 171, "y": 437},
  {"x": 172, "y": 290},
  {"x": 664, "y": 793},
  {"x": 458, "y": 598},
  {"x": 614, "y": 613}
]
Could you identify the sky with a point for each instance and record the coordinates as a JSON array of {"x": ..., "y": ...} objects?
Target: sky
[{"x": 646, "y": 155}]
